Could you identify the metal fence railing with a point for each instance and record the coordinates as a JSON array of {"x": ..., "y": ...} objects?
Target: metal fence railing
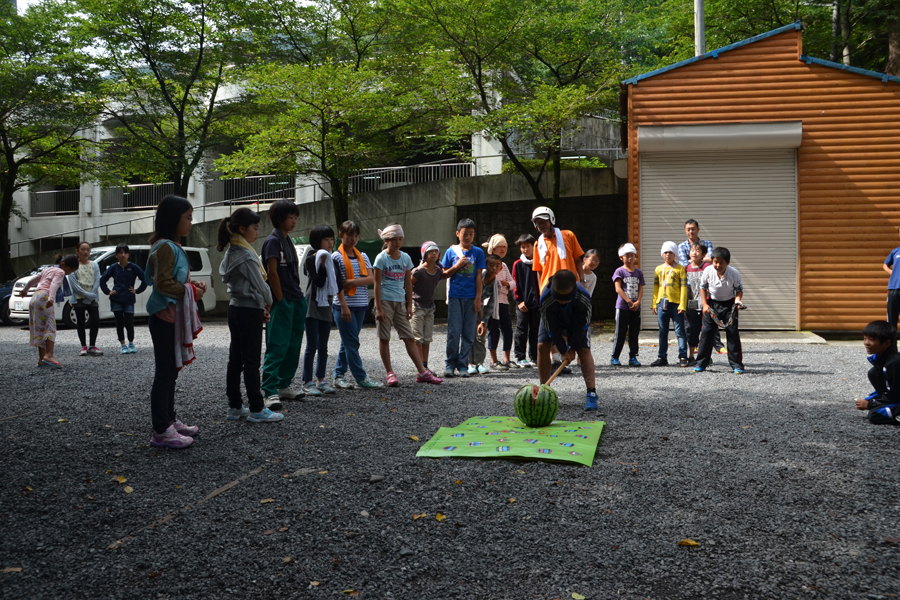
[
  {"x": 138, "y": 196},
  {"x": 250, "y": 190},
  {"x": 55, "y": 202},
  {"x": 371, "y": 180}
]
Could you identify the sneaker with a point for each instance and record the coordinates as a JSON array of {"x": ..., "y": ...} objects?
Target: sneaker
[
  {"x": 131, "y": 348},
  {"x": 310, "y": 390},
  {"x": 265, "y": 416},
  {"x": 633, "y": 362},
  {"x": 427, "y": 376},
  {"x": 83, "y": 351},
  {"x": 483, "y": 370},
  {"x": 342, "y": 384},
  {"x": 738, "y": 371},
  {"x": 273, "y": 402},
  {"x": 722, "y": 350},
  {"x": 170, "y": 438},
  {"x": 498, "y": 366},
  {"x": 448, "y": 373},
  {"x": 683, "y": 362},
  {"x": 524, "y": 364},
  {"x": 392, "y": 380},
  {"x": 512, "y": 365},
  {"x": 95, "y": 351},
  {"x": 325, "y": 388},
  {"x": 369, "y": 384},
  {"x": 189, "y": 430},
  {"x": 615, "y": 362},
  {"x": 698, "y": 369},
  {"x": 237, "y": 413},
  {"x": 660, "y": 362},
  {"x": 289, "y": 394},
  {"x": 591, "y": 402},
  {"x": 124, "y": 349},
  {"x": 555, "y": 365},
  {"x": 472, "y": 370},
  {"x": 463, "y": 372}
]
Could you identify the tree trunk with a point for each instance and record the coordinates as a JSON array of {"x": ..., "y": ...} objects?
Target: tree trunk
[
  {"x": 557, "y": 170},
  {"x": 845, "y": 34},
  {"x": 893, "y": 63},
  {"x": 835, "y": 31},
  {"x": 339, "y": 200},
  {"x": 532, "y": 182},
  {"x": 6, "y": 202}
]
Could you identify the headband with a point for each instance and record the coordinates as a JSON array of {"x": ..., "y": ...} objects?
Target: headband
[
  {"x": 496, "y": 240},
  {"x": 669, "y": 247},
  {"x": 390, "y": 232},
  {"x": 626, "y": 248}
]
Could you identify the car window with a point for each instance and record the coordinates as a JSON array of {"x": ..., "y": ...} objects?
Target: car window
[
  {"x": 139, "y": 257},
  {"x": 104, "y": 264},
  {"x": 95, "y": 254},
  {"x": 195, "y": 261}
]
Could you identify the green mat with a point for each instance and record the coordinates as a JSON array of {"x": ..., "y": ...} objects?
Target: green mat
[{"x": 508, "y": 437}]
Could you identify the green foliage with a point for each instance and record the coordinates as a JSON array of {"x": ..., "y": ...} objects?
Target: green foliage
[{"x": 534, "y": 165}]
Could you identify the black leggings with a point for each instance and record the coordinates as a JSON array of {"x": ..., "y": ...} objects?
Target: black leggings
[
  {"x": 501, "y": 324},
  {"x": 162, "y": 392},
  {"x": 124, "y": 321},
  {"x": 94, "y": 312}
]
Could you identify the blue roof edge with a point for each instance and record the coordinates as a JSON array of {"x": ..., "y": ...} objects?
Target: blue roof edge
[
  {"x": 884, "y": 77},
  {"x": 715, "y": 53}
]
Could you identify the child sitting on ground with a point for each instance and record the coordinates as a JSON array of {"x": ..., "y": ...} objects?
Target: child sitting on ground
[
  {"x": 565, "y": 322},
  {"x": 629, "y": 282},
  {"x": 122, "y": 297},
  {"x": 425, "y": 279},
  {"x": 669, "y": 303},
  {"x": 720, "y": 290},
  {"x": 393, "y": 304},
  {"x": 880, "y": 340},
  {"x": 528, "y": 303}
]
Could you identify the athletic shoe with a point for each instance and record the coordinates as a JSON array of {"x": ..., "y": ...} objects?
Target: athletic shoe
[
  {"x": 311, "y": 390},
  {"x": 738, "y": 371},
  {"x": 290, "y": 394},
  {"x": 131, "y": 348},
  {"x": 342, "y": 384},
  {"x": 615, "y": 362},
  {"x": 235, "y": 414},
  {"x": 660, "y": 362},
  {"x": 448, "y": 373},
  {"x": 325, "y": 388},
  {"x": 698, "y": 369},
  {"x": 124, "y": 350},
  {"x": 591, "y": 402},
  {"x": 464, "y": 372},
  {"x": 265, "y": 416},
  {"x": 392, "y": 380},
  {"x": 533, "y": 363},
  {"x": 555, "y": 365},
  {"x": 512, "y": 365},
  {"x": 633, "y": 362},
  {"x": 524, "y": 364},
  {"x": 273, "y": 402},
  {"x": 683, "y": 362},
  {"x": 472, "y": 370},
  {"x": 497, "y": 366},
  {"x": 369, "y": 384},
  {"x": 483, "y": 370},
  {"x": 722, "y": 350},
  {"x": 170, "y": 438},
  {"x": 189, "y": 430},
  {"x": 427, "y": 376},
  {"x": 83, "y": 351},
  {"x": 95, "y": 351}
]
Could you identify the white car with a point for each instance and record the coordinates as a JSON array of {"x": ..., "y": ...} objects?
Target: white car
[{"x": 198, "y": 260}]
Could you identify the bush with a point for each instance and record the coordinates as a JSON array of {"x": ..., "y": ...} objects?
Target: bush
[{"x": 534, "y": 164}]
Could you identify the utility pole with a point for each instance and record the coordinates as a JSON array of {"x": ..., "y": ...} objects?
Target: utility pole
[{"x": 699, "y": 28}]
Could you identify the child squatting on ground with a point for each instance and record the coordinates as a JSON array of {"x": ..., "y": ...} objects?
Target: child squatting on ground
[
  {"x": 670, "y": 293},
  {"x": 41, "y": 314},
  {"x": 720, "y": 290},
  {"x": 880, "y": 340},
  {"x": 393, "y": 304},
  {"x": 248, "y": 312},
  {"x": 425, "y": 279},
  {"x": 463, "y": 264},
  {"x": 173, "y": 322},
  {"x": 122, "y": 297},
  {"x": 528, "y": 303},
  {"x": 629, "y": 282},
  {"x": 565, "y": 323}
]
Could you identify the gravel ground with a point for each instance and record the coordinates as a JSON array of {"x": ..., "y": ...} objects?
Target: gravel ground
[{"x": 789, "y": 492}]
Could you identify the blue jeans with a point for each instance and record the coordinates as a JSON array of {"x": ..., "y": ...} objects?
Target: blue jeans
[
  {"x": 460, "y": 332},
  {"x": 348, "y": 355},
  {"x": 663, "y": 317},
  {"x": 317, "y": 333}
]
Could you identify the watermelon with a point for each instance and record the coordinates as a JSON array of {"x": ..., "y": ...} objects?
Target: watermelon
[{"x": 536, "y": 405}]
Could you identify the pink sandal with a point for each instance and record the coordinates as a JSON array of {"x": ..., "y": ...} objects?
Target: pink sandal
[{"x": 392, "y": 380}]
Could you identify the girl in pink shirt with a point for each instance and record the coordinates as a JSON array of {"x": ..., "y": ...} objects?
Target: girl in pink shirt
[{"x": 41, "y": 314}]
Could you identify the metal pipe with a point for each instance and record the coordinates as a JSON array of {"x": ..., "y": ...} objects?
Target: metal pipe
[{"x": 699, "y": 28}]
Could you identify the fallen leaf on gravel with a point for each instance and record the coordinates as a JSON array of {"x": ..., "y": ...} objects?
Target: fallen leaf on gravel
[
  {"x": 688, "y": 542},
  {"x": 314, "y": 583},
  {"x": 91, "y": 498},
  {"x": 12, "y": 570},
  {"x": 350, "y": 592},
  {"x": 128, "y": 489},
  {"x": 414, "y": 438},
  {"x": 88, "y": 433},
  {"x": 458, "y": 481},
  {"x": 520, "y": 472},
  {"x": 577, "y": 596},
  {"x": 441, "y": 518},
  {"x": 746, "y": 427},
  {"x": 393, "y": 410},
  {"x": 323, "y": 472},
  {"x": 268, "y": 532},
  {"x": 421, "y": 516},
  {"x": 27, "y": 489},
  {"x": 351, "y": 414},
  {"x": 266, "y": 500},
  {"x": 511, "y": 500},
  {"x": 121, "y": 479},
  {"x": 321, "y": 426},
  {"x": 153, "y": 574},
  {"x": 282, "y": 529},
  {"x": 892, "y": 540},
  {"x": 62, "y": 420},
  {"x": 287, "y": 560},
  {"x": 177, "y": 487},
  {"x": 286, "y": 475}
]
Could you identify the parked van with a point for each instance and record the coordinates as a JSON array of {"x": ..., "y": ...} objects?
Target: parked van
[{"x": 104, "y": 256}]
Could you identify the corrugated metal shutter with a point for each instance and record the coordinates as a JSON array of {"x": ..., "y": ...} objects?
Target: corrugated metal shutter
[{"x": 745, "y": 201}]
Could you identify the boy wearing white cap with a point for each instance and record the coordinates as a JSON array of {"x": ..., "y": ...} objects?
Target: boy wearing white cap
[
  {"x": 670, "y": 297},
  {"x": 629, "y": 282}
]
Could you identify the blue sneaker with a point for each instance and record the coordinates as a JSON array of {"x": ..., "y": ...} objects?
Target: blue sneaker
[
  {"x": 463, "y": 372},
  {"x": 484, "y": 370},
  {"x": 473, "y": 370},
  {"x": 448, "y": 373},
  {"x": 633, "y": 362},
  {"x": 591, "y": 402},
  {"x": 738, "y": 371},
  {"x": 698, "y": 369},
  {"x": 124, "y": 349},
  {"x": 235, "y": 414},
  {"x": 265, "y": 416},
  {"x": 131, "y": 348},
  {"x": 615, "y": 362}
]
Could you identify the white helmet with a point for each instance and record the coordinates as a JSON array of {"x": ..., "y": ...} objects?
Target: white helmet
[{"x": 542, "y": 212}]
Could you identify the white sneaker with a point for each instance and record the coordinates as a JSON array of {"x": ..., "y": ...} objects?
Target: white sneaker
[
  {"x": 273, "y": 402},
  {"x": 289, "y": 394}
]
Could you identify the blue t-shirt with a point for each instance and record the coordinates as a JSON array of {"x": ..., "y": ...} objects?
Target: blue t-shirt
[
  {"x": 893, "y": 257},
  {"x": 462, "y": 284},
  {"x": 393, "y": 273}
]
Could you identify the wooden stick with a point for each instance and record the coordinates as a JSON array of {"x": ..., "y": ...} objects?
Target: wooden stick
[{"x": 564, "y": 364}]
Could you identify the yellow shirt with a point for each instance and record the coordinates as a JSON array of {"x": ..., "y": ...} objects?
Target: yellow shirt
[{"x": 670, "y": 283}]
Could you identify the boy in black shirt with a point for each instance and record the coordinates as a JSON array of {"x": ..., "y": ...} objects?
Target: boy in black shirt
[{"x": 880, "y": 340}]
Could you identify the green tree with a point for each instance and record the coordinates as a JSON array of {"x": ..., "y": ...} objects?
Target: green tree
[{"x": 46, "y": 105}]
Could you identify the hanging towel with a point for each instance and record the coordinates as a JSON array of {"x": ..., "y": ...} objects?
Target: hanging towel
[
  {"x": 330, "y": 288},
  {"x": 560, "y": 245},
  {"x": 348, "y": 266},
  {"x": 187, "y": 327},
  {"x": 239, "y": 240},
  {"x": 493, "y": 302}
]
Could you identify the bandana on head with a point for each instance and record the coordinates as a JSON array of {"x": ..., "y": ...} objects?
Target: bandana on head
[
  {"x": 626, "y": 248},
  {"x": 669, "y": 247},
  {"x": 390, "y": 232},
  {"x": 428, "y": 247},
  {"x": 496, "y": 240}
]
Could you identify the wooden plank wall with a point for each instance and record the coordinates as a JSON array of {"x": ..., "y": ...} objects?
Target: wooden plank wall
[{"x": 848, "y": 164}]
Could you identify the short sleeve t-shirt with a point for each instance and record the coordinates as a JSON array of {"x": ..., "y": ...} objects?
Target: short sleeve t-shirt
[
  {"x": 426, "y": 283},
  {"x": 462, "y": 284},
  {"x": 551, "y": 263},
  {"x": 590, "y": 282},
  {"x": 631, "y": 285},
  {"x": 393, "y": 272},
  {"x": 288, "y": 272},
  {"x": 891, "y": 260},
  {"x": 359, "y": 300},
  {"x": 695, "y": 274}
]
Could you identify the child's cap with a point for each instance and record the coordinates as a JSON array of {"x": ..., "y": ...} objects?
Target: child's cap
[
  {"x": 669, "y": 247},
  {"x": 626, "y": 248},
  {"x": 428, "y": 247},
  {"x": 496, "y": 240}
]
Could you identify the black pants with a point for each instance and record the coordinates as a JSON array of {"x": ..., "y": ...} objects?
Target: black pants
[
  {"x": 124, "y": 322},
  {"x": 317, "y": 333},
  {"x": 707, "y": 339},
  {"x": 162, "y": 393},
  {"x": 246, "y": 328},
  {"x": 502, "y": 325},
  {"x": 92, "y": 310},
  {"x": 693, "y": 322},
  {"x": 527, "y": 324},
  {"x": 893, "y": 306},
  {"x": 628, "y": 326}
]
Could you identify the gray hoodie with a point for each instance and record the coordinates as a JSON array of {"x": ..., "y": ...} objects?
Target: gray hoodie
[{"x": 240, "y": 272}]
